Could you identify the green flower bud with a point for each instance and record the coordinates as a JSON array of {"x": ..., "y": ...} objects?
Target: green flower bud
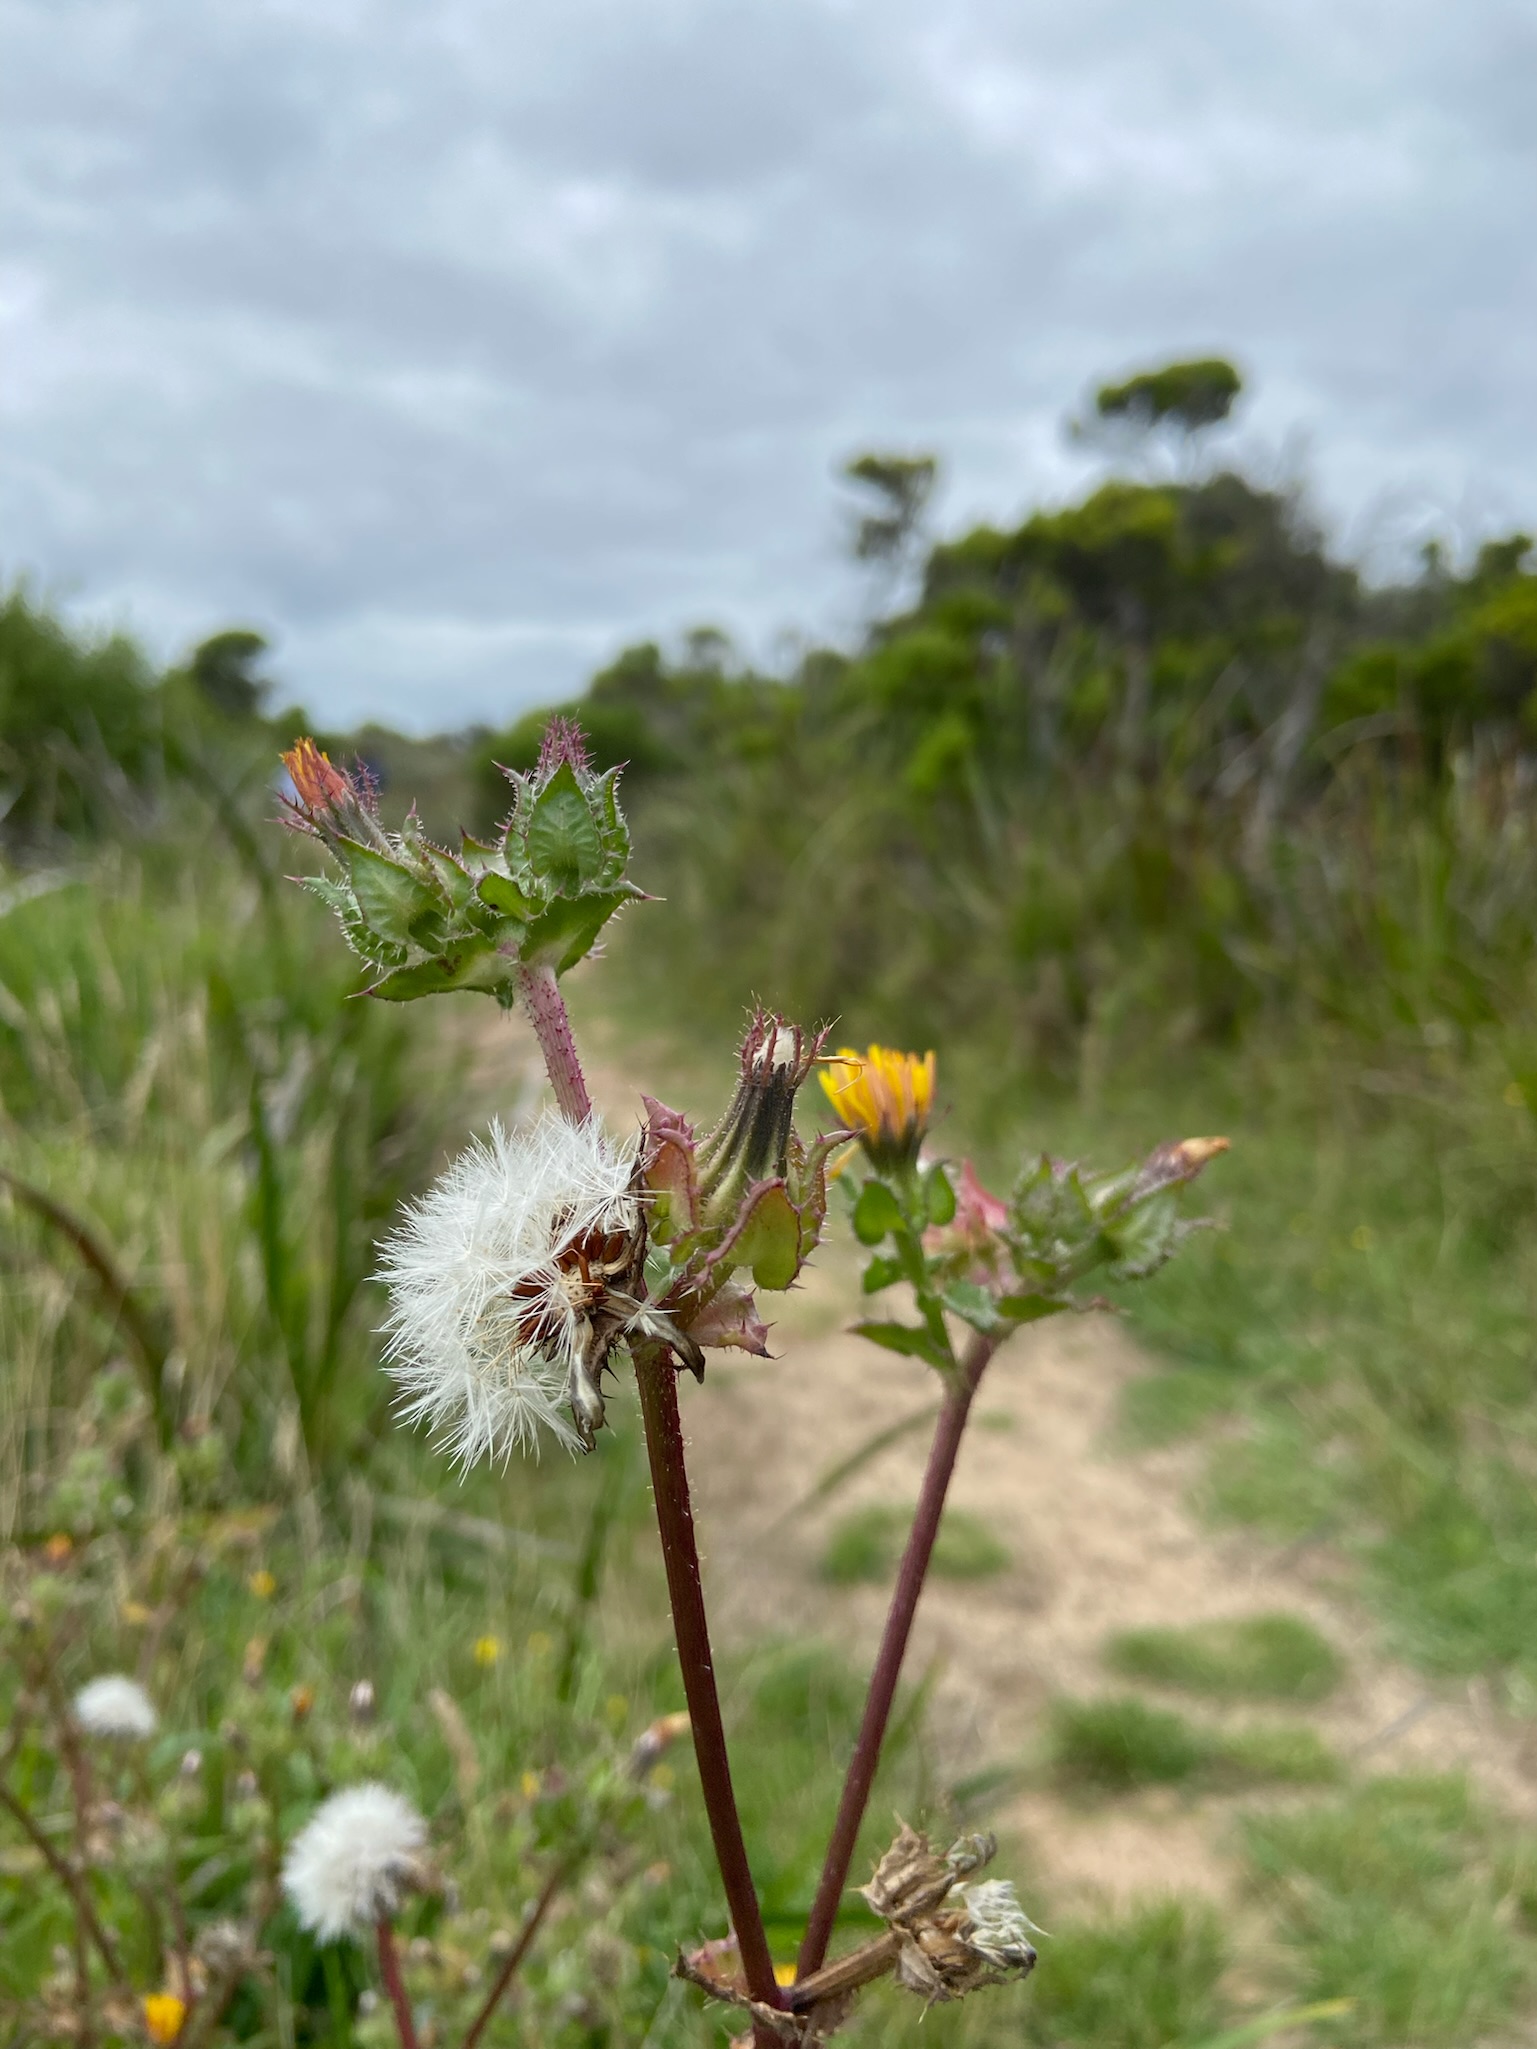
[{"x": 428, "y": 922}]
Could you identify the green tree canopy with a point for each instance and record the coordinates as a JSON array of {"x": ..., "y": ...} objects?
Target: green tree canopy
[{"x": 1186, "y": 396}]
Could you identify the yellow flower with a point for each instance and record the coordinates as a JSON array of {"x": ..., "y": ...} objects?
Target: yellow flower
[
  {"x": 885, "y": 1097},
  {"x": 163, "y": 2015},
  {"x": 262, "y": 1584},
  {"x": 784, "y": 1974},
  {"x": 487, "y": 1649}
]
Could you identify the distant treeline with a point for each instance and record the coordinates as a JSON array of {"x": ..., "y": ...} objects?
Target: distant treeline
[{"x": 1155, "y": 760}]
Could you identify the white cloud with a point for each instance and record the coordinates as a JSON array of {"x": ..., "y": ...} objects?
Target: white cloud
[{"x": 454, "y": 346}]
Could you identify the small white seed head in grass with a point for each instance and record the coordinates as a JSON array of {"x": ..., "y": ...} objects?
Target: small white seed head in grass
[
  {"x": 115, "y": 1705},
  {"x": 354, "y": 1860},
  {"x": 509, "y": 1282}
]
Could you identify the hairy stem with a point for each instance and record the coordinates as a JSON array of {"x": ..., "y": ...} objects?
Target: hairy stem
[
  {"x": 680, "y": 1554},
  {"x": 73, "y": 1882},
  {"x": 394, "y": 1984},
  {"x": 911, "y": 1575},
  {"x": 547, "y": 1013},
  {"x": 519, "y": 1951}
]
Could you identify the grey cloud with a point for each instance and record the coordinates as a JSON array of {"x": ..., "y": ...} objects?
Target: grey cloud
[{"x": 453, "y": 346}]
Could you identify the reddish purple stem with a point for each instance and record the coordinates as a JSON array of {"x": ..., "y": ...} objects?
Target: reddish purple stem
[
  {"x": 518, "y": 1952},
  {"x": 680, "y": 1554},
  {"x": 547, "y": 1013},
  {"x": 394, "y": 1984},
  {"x": 888, "y": 1664}
]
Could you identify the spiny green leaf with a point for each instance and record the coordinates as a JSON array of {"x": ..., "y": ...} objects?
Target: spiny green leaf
[
  {"x": 564, "y": 934},
  {"x": 390, "y": 897},
  {"x": 975, "y": 1306},
  {"x": 910, "y": 1339},
  {"x": 562, "y": 838},
  {"x": 1031, "y": 1308},
  {"x": 336, "y": 896},
  {"x": 881, "y": 1273},
  {"x": 474, "y": 967},
  {"x": 504, "y": 895},
  {"x": 876, "y": 1214},
  {"x": 770, "y": 1241}
]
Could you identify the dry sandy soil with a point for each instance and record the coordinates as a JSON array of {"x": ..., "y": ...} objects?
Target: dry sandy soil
[{"x": 1099, "y": 1540}]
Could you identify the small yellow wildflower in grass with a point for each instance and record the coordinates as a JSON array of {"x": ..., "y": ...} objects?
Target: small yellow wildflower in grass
[
  {"x": 784, "y": 1974},
  {"x": 262, "y": 1584},
  {"x": 163, "y": 2016},
  {"x": 59, "y": 1547},
  {"x": 885, "y": 1097},
  {"x": 528, "y": 1785},
  {"x": 487, "y": 1650}
]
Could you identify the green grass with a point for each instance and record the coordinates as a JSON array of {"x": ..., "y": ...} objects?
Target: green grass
[
  {"x": 1117, "y": 1745},
  {"x": 1257, "y": 1657},
  {"x": 864, "y": 1546},
  {"x": 1405, "y": 1897},
  {"x": 183, "y": 1071},
  {"x": 1143, "y": 1981}
]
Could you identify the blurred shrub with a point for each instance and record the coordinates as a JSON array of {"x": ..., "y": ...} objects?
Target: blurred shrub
[{"x": 79, "y": 722}]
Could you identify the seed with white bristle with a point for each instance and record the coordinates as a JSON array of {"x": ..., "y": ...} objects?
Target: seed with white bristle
[
  {"x": 997, "y": 1927},
  {"x": 354, "y": 1860},
  {"x": 115, "y": 1705},
  {"x": 496, "y": 1278}
]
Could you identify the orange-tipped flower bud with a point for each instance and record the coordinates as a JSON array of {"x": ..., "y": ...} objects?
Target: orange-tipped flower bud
[
  {"x": 327, "y": 801},
  {"x": 318, "y": 786}
]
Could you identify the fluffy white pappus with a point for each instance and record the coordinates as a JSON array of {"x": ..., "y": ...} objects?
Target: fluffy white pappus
[
  {"x": 115, "y": 1705},
  {"x": 482, "y": 1323},
  {"x": 997, "y": 1926},
  {"x": 352, "y": 1862}
]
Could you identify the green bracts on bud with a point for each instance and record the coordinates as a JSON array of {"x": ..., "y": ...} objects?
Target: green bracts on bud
[
  {"x": 747, "y": 1198},
  {"x": 995, "y": 1265},
  {"x": 1065, "y": 1223},
  {"x": 428, "y": 922}
]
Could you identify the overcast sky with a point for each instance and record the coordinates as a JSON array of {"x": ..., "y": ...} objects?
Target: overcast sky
[{"x": 453, "y": 343}]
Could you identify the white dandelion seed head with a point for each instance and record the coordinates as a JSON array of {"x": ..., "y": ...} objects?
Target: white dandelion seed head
[
  {"x": 483, "y": 1323},
  {"x": 115, "y": 1705},
  {"x": 353, "y": 1861},
  {"x": 997, "y": 1927}
]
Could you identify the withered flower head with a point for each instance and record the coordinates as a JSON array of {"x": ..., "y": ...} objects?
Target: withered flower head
[
  {"x": 752, "y": 1139},
  {"x": 886, "y": 1097}
]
